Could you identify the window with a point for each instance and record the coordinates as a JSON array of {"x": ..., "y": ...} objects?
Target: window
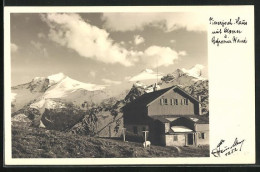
[
  {"x": 175, "y": 102},
  {"x": 144, "y": 129},
  {"x": 135, "y": 129},
  {"x": 175, "y": 138},
  {"x": 163, "y": 101},
  {"x": 185, "y": 101},
  {"x": 202, "y": 135}
]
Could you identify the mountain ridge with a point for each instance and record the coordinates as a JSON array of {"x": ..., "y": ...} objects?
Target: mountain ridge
[{"x": 61, "y": 103}]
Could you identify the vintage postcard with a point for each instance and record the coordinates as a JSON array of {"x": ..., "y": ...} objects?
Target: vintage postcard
[{"x": 129, "y": 85}]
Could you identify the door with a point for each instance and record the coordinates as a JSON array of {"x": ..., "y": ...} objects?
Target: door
[{"x": 190, "y": 139}]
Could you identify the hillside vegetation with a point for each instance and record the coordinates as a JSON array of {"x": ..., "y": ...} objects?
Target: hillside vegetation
[{"x": 30, "y": 142}]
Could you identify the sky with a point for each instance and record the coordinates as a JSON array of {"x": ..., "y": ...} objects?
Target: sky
[{"x": 105, "y": 48}]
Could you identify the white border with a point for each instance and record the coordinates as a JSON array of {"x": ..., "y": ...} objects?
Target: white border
[{"x": 247, "y": 158}]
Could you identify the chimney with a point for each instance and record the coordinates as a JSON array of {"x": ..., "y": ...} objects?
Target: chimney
[
  {"x": 155, "y": 87},
  {"x": 200, "y": 108}
]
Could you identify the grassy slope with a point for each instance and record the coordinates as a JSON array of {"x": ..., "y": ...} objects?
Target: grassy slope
[{"x": 30, "y": 142}]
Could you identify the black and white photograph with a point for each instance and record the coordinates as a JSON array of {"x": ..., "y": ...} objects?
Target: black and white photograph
[{"x": 109, "y": 85}]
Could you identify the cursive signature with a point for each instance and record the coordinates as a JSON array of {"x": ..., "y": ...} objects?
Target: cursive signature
[{"x": 227, "y": 150}]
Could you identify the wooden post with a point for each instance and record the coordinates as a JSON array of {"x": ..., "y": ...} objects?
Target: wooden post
[
  {"x": 200, "y": 107},
  {"x": 124, "y": 129},
  {"x": 186, "y": 139},
  {"x": 145, "y": 137},
  {"x": 195, "y": 139},
  {"x": 109, "y": 130}
]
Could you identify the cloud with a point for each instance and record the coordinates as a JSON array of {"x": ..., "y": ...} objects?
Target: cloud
[
  {"x": 41, "y": 35},
  {"x": 182, "y": 53},
  {"x": 166, "y": 21},
  {"x": 71, "y": 31},
  {"x": 14, "y": 47},
  {"x": 138, "y": 39},
  {"x": 159, "y": 56},
  {"x": 37, "y": 45},
  {"x": 111, "y": 82}
]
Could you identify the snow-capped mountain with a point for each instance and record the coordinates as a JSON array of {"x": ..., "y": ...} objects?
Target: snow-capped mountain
[
  {"x": 146, "y": 74},
  {"x": 66, "y": 86},
  {"x": 183, "y": 77},
  {"x": 54, "y": 79},
  {"x": 195, "y": 71},
  {"x": 178, "y": 77},
  {"x": 56, "y": 101},
  {"x": 57, "y": 86},
  {"x": 190, "y": 80},
  {"x": 62, "y": 103}
]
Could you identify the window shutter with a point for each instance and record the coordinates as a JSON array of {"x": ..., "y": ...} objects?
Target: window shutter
[
  {"x": 204, "y": 135},
  {"x": 185, "y": 101},
  {"x": 175, "y": 101},
  {"x": 165, "y": 102},
  {"x": 161, "y": 101}
]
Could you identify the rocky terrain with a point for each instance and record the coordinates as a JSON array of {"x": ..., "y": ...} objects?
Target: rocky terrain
[{"x": 58, "y": 102}]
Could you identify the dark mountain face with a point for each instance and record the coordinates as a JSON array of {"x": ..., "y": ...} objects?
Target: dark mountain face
[
  {"x": 36, "y": 85},
  {"x": 62, "y": 119},
  {"x": 135, "y": 92},
  {"x": 200, "y": 88},
  {"x": 172, "y": 76},
  {"x": 39, "y": 85},
  {"x": 104, "y": 120}
]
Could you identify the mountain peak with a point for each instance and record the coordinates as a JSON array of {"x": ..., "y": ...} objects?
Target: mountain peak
[
  {"x": 55, "y": 78},
  {"x": 146, "y": 74},
  {"x": 195, "y": 71},
  {"x": 178, "y": 73}
]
